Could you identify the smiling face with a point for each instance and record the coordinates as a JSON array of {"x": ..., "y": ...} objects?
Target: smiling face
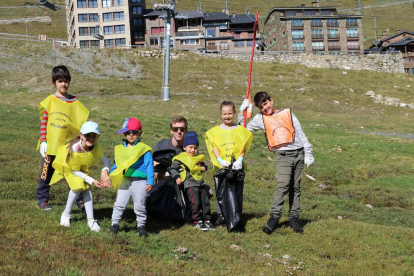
[
  {"x": 132, "y": 136},
  {"x": 62, "y": 86},
  {"x": 191, "y": 149},
  {"x": 178, "y": 131},
  {"x": 227, "y": 115},
  {"x": 267, "y": 107},
  {"x": 89, "y": 140}
]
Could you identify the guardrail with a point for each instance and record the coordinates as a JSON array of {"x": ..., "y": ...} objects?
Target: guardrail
[{"x": 33, "y": 38}]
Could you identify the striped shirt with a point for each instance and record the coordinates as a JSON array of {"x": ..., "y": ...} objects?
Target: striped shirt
[{"x": 43, "y": 123}]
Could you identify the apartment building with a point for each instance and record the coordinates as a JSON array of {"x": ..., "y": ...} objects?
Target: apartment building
[
  {"x": 105, "y": 23},
  {"x": 313, "y": 29}
]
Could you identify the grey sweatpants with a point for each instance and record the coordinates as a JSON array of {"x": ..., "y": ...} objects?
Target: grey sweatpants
[
  {"x": 289, "y": 165},
  {"x": 135, "y": 188}
]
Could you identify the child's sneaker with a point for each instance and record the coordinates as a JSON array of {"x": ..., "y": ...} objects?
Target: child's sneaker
[
  {"x": 200, "y": 225},
  {"x": 43, "y": 205},
  {"x": 114, "y": 229},
  {"x": 142, "y": 232},
  {"x": 209, "y": 225},
  {"x": 65, "y": 219},
  {"x": 93, "y": 225}
]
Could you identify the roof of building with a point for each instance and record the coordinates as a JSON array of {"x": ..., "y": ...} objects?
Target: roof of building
[
  {"x": 402, "y": 42},
  {"x": 151, "y": 12},
  {"x": 216, "y": 16},
  {"x": 379, "y": 43},
  {"x": 189, "y": 14},
  {"x": 242, "y": 18}
]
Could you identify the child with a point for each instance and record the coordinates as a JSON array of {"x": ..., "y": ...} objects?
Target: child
[
  {"x": 292, "y": 151},
  {"x": 132, "y": 174},
  {"x": 224, "y": 142},
  {"x": 61, "y": 116},
  {"x": 73, "y": 161},
  {"x": 186, "y": 169}
]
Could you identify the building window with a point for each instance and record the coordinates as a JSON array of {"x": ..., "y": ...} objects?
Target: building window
[
  {"x": 238, "y": 44},
  {"x": 153, "y": 41},
  {"x": 334, "y": 45},
  {"x": 351, "y": 22},
  {"x": 317, "y": 33},
  {"x": 332, "y": 23},
  {"x": 120, "y": 29},
  {"x": 118, "y": 2},
  {"x": 106, "y": 3},
  {"x": 224, "y": 46},
  {"x": 107, "y": 17},
  {"x": 334, "y": 53},
  {"x": 93, "y": 17},
  {"x": 297, "y": 23},
  {"x": 108, "y": 30},
  {"x": 325, "y": 12},
  {"x": 249, "y": 43},
  {"x": 352, "y": 45},
  {"x": 81, "y": 4},
  {"x": 407, "y": 70},
  {"x": 333, "y": 33},
  {"x": 316, "y": 23},
  {"x": 83, "y": 31},
  {"x": 84, "y": 43},
  {"x": 352, "y": 33},
  {"x": 137, "y": 22},
  {"x": 309, "y": 12},
  {"x": 136, "y": 1},
  {"x": 118, "y": 16},
  {"x": 108, "y": 43},
  {"x": 297, "y": 34},
  {"x": 222, "y": 25},
  {"x": 93, "y": 4},
  {"x": 317, "y": 46},
  {"x": 82, "y": 17},
  {"x": 95, "y": 43},
  {"x": 211, "y": 32},
  {"x": 138, "y": 35},
  {"x": 190, "y": 42},
  {"x": 119, "y": 42},
  {"x": 137, "y": 10},
  {"x": 298, "y": 46},
  {"x": 93, "y": 31},
  {"x": 290, "y": 13}
]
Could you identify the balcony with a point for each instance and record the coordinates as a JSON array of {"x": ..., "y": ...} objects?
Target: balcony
[
  {"x": 316, "y": 24},
  {"x": 189, "y": 34},
  {"x": 318, "y": 48},
  {"x": 353, "y": 47},
  {"x": 317, "y": 36},
  {"x": 352, "y": 23},
  {"x": 333, "y": 36},
  {"x": 334, "y": 47},
  {"x": 298, "y": 37},
  {"x": 332, "y": 24}
]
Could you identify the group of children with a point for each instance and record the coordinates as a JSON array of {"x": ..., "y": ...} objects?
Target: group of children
[{"x": 69, "y": 147}]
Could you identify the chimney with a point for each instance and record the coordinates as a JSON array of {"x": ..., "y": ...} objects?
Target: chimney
[
  {"x": 398, "y": 30},
  {"x": 233, "y": 15},
  {"x": 383, "y": 35},
  {"x": 248, "y": 12}
]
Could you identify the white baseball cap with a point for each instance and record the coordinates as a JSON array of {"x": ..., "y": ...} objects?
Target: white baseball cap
[{"x": 90, "y": 127}]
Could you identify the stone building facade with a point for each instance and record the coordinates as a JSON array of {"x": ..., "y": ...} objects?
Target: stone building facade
[{"x": 312, "y": 29}]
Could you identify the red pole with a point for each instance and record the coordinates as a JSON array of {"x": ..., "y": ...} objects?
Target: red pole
[{"x": 251, "y": 65}]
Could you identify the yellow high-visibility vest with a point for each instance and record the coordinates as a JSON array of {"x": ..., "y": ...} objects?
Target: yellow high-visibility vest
[
  {"x": 64, "y": 121},
  {"x": 124, "y": 158},
  {"x": 80, "y": 161},
  {"x": 190, "y": 162},
  {"x": 229, "y": 142}
]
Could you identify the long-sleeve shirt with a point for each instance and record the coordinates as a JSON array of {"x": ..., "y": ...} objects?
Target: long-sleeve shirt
[
  {"x": 77, "y": 147},
  {"x": 45, "y": 116},
  {"x": 142, "y": 168},
  {"x": 300, "y": 140}
]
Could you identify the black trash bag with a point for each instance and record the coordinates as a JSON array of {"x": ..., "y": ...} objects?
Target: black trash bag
[
  {"x": 164, "y": 159},
  {"x": 167, "y": 201},
  {"x": 229, "y": 193}
]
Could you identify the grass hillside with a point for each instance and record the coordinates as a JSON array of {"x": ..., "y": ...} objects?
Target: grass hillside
[
  {"x": 391, "y": 17},
  {"x": 357, "y": 214}
]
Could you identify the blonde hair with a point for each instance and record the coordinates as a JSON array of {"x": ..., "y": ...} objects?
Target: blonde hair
[{"x": 70, "y": 147}]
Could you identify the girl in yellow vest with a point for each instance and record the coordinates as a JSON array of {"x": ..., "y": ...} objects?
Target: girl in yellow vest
[
  {"x": 73, "y": 161},
  {"x": 132, "y": 175},
  {"x": 227, "y": 141}
]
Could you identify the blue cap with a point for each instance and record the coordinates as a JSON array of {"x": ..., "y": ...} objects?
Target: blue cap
[
  {"x": 90, "y": 127},
  {"x": 190, "y": 139}
]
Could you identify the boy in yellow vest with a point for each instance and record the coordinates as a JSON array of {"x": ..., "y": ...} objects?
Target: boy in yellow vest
[
  {"x": 186, "y": 169},
  {"x": 61, "y": 116},
  {"x": 132, "y": 175},
  {"x": 286, "y": 138}
]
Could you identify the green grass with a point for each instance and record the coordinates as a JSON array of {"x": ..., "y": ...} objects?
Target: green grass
[{"x": 351, "y": 170}]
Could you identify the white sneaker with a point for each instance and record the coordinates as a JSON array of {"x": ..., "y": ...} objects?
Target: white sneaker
[
  {"x": 93, "y": 225},
  {"x": 65, "y": 219}
]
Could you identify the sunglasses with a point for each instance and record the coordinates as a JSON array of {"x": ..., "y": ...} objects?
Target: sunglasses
[
  {"x": 132, "y": 132},
  {"x": 175, "y": 129}
]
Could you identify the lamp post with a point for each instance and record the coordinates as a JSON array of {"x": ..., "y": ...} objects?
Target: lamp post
[{"x": 170, "y": 10}]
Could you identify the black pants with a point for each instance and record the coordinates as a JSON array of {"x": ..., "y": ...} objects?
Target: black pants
[{"x": 199, "y": 203}]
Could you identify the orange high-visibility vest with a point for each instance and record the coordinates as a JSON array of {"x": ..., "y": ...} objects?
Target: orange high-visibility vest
[{"x": 279, "y": 129}]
